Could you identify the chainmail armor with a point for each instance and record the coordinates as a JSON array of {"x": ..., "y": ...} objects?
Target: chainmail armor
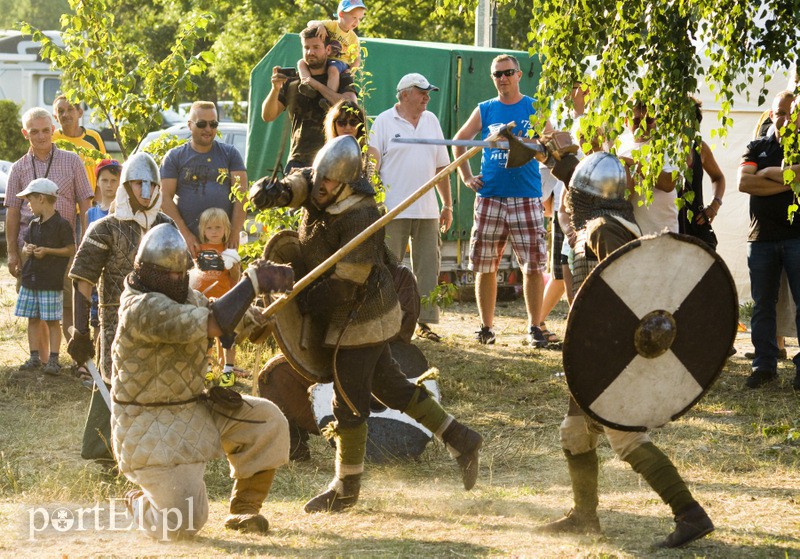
[
  {"x": 585, "y": 207},
  {"x": 149, "y": 277}
]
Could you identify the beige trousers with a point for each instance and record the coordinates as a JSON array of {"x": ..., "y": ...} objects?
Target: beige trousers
[{"x": 175, "y": 503}]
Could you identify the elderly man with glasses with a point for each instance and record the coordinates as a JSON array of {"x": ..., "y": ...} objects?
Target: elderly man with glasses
[
  {"x": 508, "y": 203},
  {"x": 403, "y": 169},
  {"x": 200, "y": 175}
]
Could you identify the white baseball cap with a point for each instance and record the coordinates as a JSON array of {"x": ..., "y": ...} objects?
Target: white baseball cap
[
  {"x": 415, "y": 80},
  {"x": 40, "y": 186}
]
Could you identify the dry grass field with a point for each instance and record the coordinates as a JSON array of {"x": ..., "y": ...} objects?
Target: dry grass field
[{"x": 738, "y": 449}]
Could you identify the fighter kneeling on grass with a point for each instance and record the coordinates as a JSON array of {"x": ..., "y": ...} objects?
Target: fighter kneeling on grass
[
  {"x": 357, "y": 303},
  {"x": 165, "y": 427},
  {"x": 603, "y": 219}
]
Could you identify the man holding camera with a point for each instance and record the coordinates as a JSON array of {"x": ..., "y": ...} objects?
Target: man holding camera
[{"x": 307, "y": 114}]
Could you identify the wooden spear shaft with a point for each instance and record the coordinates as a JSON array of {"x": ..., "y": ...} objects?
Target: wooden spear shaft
[{"x": 364, "y": 235}]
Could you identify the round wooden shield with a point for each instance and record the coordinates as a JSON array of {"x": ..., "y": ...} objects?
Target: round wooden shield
[
  {"x": 299, "y": 337},
  {"x": 650, "y": 331},
  {"x": 280, "y": 383}
]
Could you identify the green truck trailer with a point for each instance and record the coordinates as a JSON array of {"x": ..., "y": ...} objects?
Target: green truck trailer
[{"x": 462, "y": 74}]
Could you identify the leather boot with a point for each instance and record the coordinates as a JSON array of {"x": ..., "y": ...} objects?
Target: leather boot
[
  {"x": 582, "y": 519},
  {"x": 692, "y": 524},
  {"x": 341, "y": 494},
  {"x": 246, "y": 499},
  {"x": 464, "y": 445}
]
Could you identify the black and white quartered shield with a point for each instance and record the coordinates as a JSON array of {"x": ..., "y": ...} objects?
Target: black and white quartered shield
[{"x": 649, "y": 331}]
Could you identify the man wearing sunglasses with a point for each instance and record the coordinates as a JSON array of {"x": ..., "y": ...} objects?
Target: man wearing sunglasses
[
  {"x": 199, "y": 175},
  {"x": 403, "y": 169},
  {"x": 508, "y": 203},
  {"x": 662, "y": 213}
]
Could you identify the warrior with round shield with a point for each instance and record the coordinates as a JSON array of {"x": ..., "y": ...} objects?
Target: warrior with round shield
[
  {"x": 603, "y": 219},
  {"x": 357, "y": 304}
]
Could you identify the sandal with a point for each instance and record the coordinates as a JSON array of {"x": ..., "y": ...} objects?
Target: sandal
[
  {"x": 424, "y": 331},
  {"x": 548, "y": 335}
]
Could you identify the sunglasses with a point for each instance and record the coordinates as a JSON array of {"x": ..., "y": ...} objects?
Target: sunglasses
[
  {"x": 637, "y": 120},
  {"x": 203, "y": 123},
  {"x": 507, "y": 73},
  {"x": 354, "y": 122}
]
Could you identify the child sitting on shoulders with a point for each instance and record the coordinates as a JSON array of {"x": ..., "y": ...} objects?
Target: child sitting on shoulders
[
  {"x": 49, "y": 244},
  {"x": 217, "y": 271},
  {"x": 345, "y": 48}
]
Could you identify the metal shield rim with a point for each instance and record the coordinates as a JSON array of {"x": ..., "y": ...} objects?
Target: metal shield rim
[{"x": 576, "y": 310}]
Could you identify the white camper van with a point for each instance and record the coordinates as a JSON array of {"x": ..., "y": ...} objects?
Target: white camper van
[{"x": 24, "y": 77}]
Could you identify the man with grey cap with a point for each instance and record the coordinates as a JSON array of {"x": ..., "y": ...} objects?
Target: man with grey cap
[{"x": 403, "y": 169}]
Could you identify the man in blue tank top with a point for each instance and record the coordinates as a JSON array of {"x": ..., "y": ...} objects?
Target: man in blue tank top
[{"x": 508, "y": 203}]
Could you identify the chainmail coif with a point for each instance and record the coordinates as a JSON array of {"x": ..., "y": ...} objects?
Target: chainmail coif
[
  {"x": 586, "y": 207},
  {"x": 148, "y": 277}
]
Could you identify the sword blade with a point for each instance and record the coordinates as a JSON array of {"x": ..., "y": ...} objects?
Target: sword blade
[
  {"x": 465, "y": 143},
  {"x": 98, "y": 381}
]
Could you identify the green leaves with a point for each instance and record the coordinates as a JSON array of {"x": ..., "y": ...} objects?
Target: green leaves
[{"x": 116, "y": 78}]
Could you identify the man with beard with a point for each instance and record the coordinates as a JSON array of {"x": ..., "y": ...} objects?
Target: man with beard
[
  {"x": 165, "y": 427},
  {"x": 307, "y": 114},
  {"x": 603, "y": 220},
  {"x": 357, "y": 304}
]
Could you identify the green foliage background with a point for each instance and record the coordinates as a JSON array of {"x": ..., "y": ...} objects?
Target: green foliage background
[{"x": 12, "y": 144}]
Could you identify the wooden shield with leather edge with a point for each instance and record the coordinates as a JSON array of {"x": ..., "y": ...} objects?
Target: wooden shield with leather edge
[
  {"x": 650, "y": 331},
  {"x": 299, "y": 337},
  {"x": 284, "y": 387}
]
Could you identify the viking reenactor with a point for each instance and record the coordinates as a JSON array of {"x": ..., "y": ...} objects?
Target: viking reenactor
[
  {"x": 105, "y": 257},
  {"x": 357, "y": 304},
  {"x": 604, "y": 222},
  {"x": 165, "y": 427}
]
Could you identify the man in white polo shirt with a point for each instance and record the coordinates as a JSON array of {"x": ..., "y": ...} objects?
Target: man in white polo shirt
[{"x": 403, "y": 169}]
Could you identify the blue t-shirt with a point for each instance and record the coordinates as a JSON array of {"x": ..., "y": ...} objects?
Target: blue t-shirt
[
  {"x": 197, "y": 174},
  {"x": 522, "y": 182},
  {"x": 95, "y": 213}
]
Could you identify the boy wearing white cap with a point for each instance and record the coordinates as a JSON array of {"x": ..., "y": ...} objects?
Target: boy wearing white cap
[{"x": 49, "y": 244}]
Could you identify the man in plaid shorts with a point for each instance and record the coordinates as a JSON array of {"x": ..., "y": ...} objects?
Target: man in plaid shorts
[{"x": 508, "y": 203}]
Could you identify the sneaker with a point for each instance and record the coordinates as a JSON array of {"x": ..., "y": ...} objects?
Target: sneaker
[
  {"x": 31, "y": 364},
  {"x": 485, "y": 335},
  {"x": 759, "y": 378},
  {"x": 52, "y": 369},
  {"x": 227, "y": 379},
  {"x": 536, "y": 337}
]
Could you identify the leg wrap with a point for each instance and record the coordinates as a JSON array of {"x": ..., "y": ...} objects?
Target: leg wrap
[
  {"x": 424, "y": 408},
  {"x": 351, "y": 446},
  {"x": 660, "y": 473},
  {"x": 583, "y": 472}
]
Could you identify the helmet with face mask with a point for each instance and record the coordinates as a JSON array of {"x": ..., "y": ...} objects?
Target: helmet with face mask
[
  {"x": 162, "y": 252},
  {"x": 141, "y": 167}
]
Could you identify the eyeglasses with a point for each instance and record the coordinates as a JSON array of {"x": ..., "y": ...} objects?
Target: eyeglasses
[
  {"x": 354, "y": 122},
  {"x": 507, "y": 73},
  {"x": 203, "y": 123},
  {"x": 637, "y": 120}
]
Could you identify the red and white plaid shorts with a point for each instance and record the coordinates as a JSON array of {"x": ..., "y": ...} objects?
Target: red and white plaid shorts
[{"x": 497, "y": 219}]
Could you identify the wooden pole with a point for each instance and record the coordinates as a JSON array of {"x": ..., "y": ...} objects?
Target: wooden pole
[{"x": 364, "y": 235}]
